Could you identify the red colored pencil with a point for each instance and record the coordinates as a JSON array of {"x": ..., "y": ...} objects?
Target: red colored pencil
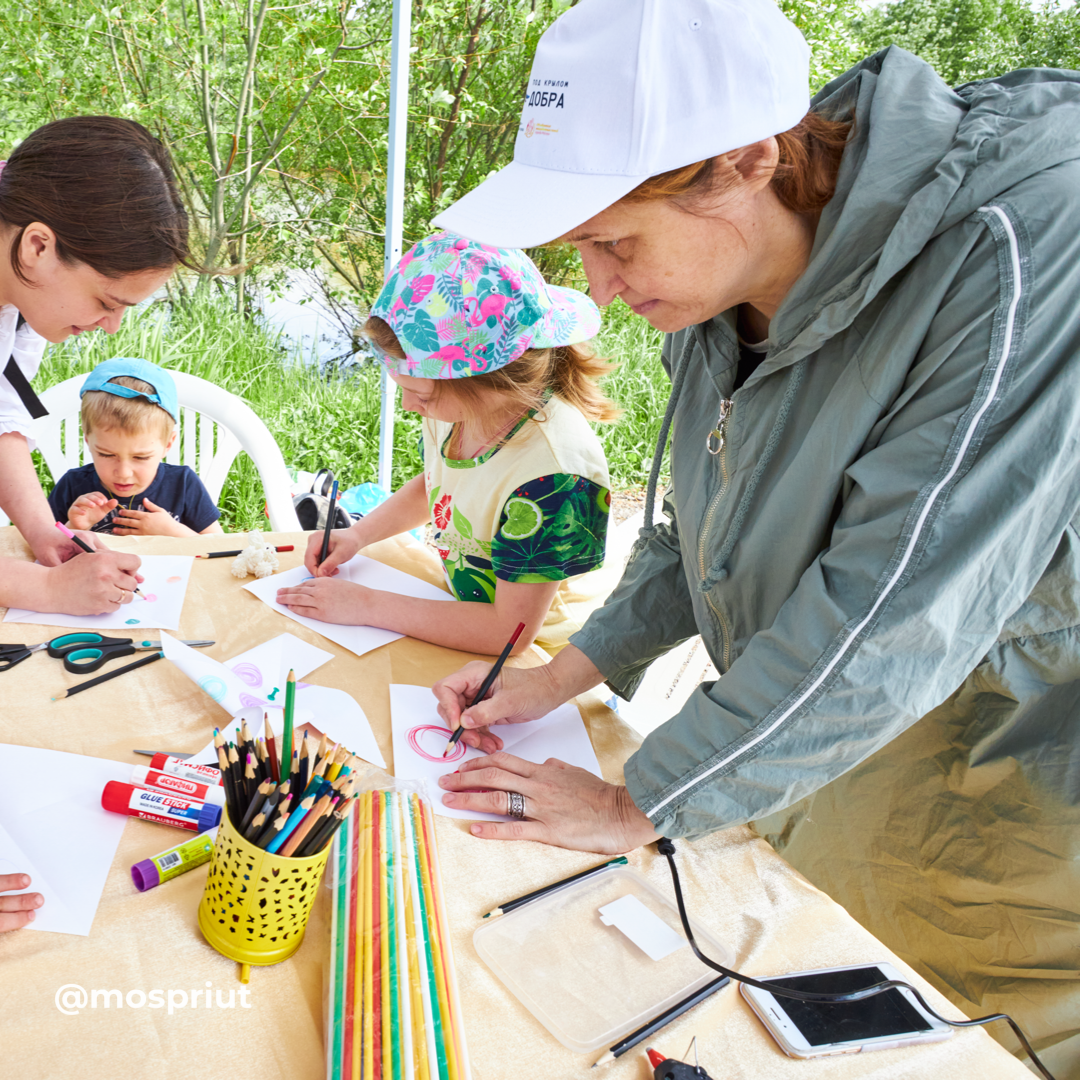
[{"x": 271, "y": 749}]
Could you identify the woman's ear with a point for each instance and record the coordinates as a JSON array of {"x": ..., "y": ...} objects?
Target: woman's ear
[
  {"x": 756, "y": 163},
  {"x": 37, "y": 245}
]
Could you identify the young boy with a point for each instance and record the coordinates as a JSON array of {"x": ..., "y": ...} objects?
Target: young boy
[{"x": 129, "y": 417}]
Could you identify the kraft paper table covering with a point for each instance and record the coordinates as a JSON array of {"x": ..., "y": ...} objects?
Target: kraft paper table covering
[{"x": 735, "y": 884}]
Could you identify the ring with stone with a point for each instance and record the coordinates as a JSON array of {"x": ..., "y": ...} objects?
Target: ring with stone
[{"x": 516, "y": 805}]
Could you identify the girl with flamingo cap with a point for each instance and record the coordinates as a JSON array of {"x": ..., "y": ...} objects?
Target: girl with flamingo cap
[{"x": 515, "y": 481}]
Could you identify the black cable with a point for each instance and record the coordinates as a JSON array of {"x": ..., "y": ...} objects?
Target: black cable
[{"x": 667, "y": 848}]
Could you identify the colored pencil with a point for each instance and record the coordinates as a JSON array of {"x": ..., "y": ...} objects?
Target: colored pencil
[
  {"x": 662, "y": 1020},
  {"x": 321, "y": 807},
  {"x": 272, "y": 824},
  {"x": 271, "y": 749},
  {"x": 287, "y": 734},
  {"x": 329, "y": 523},
  {"x": 394, "y": 1004},
  {"x": 108, "y": 675},
  {"x": 486, "y": 685},
  {"x": 259, "y": 801},
  {"x": 509, "y": 905},
  {"x": 303, "y": 763},
  {"x": 224, "y": 554}
]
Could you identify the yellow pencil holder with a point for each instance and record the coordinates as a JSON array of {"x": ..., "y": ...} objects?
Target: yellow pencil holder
[{"x": 255, "y": 906}]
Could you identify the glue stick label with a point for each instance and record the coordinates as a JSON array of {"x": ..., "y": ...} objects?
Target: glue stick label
[
  {"x": 204, "y": 774},
  {"x": 184, "y": 857},
  {"x": 178, "y": 785},
  {"x": 151, "y": 805}
]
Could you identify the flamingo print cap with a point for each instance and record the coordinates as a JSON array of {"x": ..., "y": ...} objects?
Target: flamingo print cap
[{"x": 460, "y": 308}]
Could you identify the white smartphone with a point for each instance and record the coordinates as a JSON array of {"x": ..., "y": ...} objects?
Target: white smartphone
[{"x": 806, "y": 1029}]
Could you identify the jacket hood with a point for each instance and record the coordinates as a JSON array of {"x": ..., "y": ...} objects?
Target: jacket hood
[{"x": 922, "y": 158}]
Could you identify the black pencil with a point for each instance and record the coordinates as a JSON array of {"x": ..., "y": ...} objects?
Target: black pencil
[
  {"x": 329, "y": 524},
  {"x": 259, "y": 800},
  {"x": 227, "y": 781},
  {"x": 108, "y": 675},
  {"x": 486, "y": 685},
  {"x": 662, "y": 1020},
  {"x": 502, "y": 909}
]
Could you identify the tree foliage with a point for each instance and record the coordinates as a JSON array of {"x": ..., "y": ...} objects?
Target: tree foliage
[{"x": 276, "y": 113}]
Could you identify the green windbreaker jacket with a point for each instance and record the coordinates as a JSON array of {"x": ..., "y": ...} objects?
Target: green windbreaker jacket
[{"x": 889, "y": 531}]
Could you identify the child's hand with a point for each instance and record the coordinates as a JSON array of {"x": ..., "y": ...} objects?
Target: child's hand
[
  {"x": 87, "y": 510},
  {"x": 153, "y": 521},
  {"x": 344, "y": 544},
  {"x": 328, "y": 600},
  {"x": 17, "y": 911}
]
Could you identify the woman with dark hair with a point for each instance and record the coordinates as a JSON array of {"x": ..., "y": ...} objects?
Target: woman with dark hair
[
  {"x": 873, "y": 319},
  {"x": 91, "y": 224}
]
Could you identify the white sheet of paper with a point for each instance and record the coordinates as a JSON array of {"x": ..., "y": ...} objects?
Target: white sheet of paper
[
  {"x": 57, "y": 831},
  {"x": 235, "y": 685},
  {"x": 338, "y": 715},
  {"x": 166, "y": 581},
  {"x": 420, "y": 738},
  {"x": 362, "y": 571}
]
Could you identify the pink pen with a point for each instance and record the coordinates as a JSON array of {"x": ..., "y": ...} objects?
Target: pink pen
[{"x": 85, "y": 546}]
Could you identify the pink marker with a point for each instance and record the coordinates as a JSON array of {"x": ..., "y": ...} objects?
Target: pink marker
[
  {"x": 204, "y": 774},
  {"x": 146, "y": 776}
]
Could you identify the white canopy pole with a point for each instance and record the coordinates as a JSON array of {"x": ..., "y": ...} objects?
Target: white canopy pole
[{"x": 401, "y": 35}]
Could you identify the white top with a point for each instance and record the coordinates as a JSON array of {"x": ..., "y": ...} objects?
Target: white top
[{"x": 27, "y": 347}]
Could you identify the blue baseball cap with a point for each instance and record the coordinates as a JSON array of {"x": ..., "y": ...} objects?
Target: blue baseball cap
[{"x": 158, "y": 378}]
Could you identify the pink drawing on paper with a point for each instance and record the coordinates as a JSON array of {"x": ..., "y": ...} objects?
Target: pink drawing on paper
[
  {"x": 173, "y": 580},
  {"x": 149, "y": 598},
  {"x": 435, "y": 737}
]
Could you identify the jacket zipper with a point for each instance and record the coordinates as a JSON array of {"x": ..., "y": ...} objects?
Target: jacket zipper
[{"x": 716, "y": 444}]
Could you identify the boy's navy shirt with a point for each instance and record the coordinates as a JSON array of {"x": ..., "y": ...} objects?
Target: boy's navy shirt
[{"x": 175, "y": 488}]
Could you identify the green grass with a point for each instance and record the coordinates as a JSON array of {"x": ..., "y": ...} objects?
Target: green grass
[{"x": 331, "y": 420}]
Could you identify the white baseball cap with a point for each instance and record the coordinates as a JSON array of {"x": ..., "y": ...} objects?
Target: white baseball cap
[{"x": 621, "y": 90}]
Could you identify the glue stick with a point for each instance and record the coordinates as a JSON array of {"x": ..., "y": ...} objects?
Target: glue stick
[
  {"x": 173, "y": 862},
  {"x": 160, "y": 806},
  {"x": 145, "y": 776},
  {"x": 205, "y": 774}
]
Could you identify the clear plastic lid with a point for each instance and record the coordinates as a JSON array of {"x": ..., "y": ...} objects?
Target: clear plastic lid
[{"x": 585, "y": 981}]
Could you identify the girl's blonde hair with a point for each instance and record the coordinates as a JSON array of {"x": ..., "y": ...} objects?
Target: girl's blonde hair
[{"x": 570, "y": 371}]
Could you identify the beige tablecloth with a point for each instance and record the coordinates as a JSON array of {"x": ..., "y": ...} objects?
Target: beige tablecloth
[{"x": 772, "y": 918}]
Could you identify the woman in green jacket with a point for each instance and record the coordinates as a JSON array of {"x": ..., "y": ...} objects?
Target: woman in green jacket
[{"x": 873, "y": 320}]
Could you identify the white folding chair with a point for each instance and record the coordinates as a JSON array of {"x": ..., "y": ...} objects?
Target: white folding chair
[{"x": 215, "y": 425}]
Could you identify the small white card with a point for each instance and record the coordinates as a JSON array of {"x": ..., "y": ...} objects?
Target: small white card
[{"x": 643, "y": 927}]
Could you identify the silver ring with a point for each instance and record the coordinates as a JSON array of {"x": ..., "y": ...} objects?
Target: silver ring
[{"x": 517, "y": 805}]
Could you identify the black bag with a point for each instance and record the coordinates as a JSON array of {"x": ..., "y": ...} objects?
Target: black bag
[{"x": 312, "y": 509}]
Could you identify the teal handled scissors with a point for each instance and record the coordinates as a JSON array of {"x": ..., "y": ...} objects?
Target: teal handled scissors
[{"x": 84, "y": 651}]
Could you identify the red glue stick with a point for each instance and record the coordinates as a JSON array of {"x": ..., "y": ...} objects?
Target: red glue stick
[
  {"x": 159, "y": 806},
  {"x": 205, "y": 774},
  {"x": 144, "y": 776}
]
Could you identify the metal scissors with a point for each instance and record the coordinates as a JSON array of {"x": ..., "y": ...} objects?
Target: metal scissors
[{"x": 10, "y": 655}]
